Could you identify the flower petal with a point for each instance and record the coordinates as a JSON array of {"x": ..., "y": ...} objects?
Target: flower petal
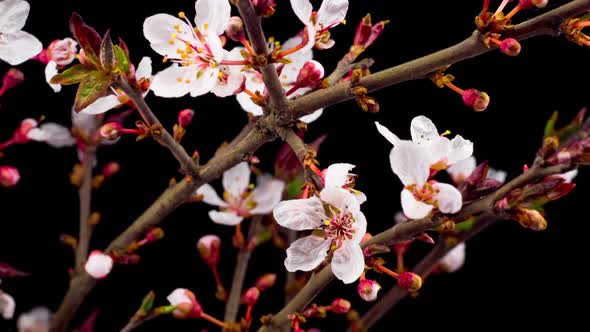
[
  {"x": 267, "y": 194},
  {"x": 448, "y": 197},
  {"x": 413, "y": 208},
  {"x": 348, "y": 262},
  {"x": 332, "y": 12},
  {"x": 55, "y": 135},
  {"x": 210, "y": 196},
  {"x": 340, "y": 198},
  {"x": 102, "y": 105},
  {"x": 300, "y": 214},
  {"x": 391, "y": 137},
  {"x": 463, "y": 168},
  {"x": 410, "y": 162},
  {"x": 18, "y": 47},
  {"x": 225, "y": 218},
  {"x": 84, "y": 122},
  {"x": 359, "y": 226},
  {"x": 302, "y": 9},
  {"x": 236, "y": 179},
  {"x": 423, "y": 130},
  {"x": 144, "y": 68},
  {"x": 299, "y": 57},
  {"x": 454, "y": 259},
  {"x": 159, "y": 29},
  {"x": 7, "y": 305},
  {"x": 312, "y": 117},
  {"x": 50, "y": 71},
  {"x": 13, "y": 15},
  {"x": 336, "y": 175},
  {"x": 307, "y": 253},
  {"x": 248, "y": 104},
  {"x": 500, "y": 175},
  {"x": 204, "y": 81},
  {"x": 171, "y": 82},
  {"x": 567, "y": 176},
  {"x": 461, "y": 149},
  {"x": 212, "y": 16}
]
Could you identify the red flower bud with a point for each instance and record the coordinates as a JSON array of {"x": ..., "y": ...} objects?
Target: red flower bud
[
  {"x": 111, "y": 131},
  {"x": 368, "y": 289},
  {"x": 310, "y": 74},
  {"x": 185, "y": 117},
  {"x": 155, "y": 234},
  {"x": 510, "y": 47},
  {"x": 110, "y": 169},
  {"x": 476, "y": 99},
  {"x": 186, "y": 304},
  {"x": 410, "y": 281},
  {"x": 340, "y": 306},
  {"x": 251, "y": 296},
  {"x": 266, "y": 281},
  {"x": 21, "y": 134},
  {"x": 235, "y": 29},
  {"x": 9, "y": 176},
  {"x": 12, "y": 78},
  {"x": 209, "y": 247},
  {"x": 367, "y": 33},
  {"x": 264, "y": 8},
  {"x": 527, "y": 4}
]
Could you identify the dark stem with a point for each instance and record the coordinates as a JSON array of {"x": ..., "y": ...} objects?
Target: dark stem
[{"x": 85, "y": 196}]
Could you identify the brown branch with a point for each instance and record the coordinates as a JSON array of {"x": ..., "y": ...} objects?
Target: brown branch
[
  {"x": 546, "y": 24},
  {"x": 85, "y": 196},
  {"x": 345, "y": 65},
  {"x": 233, "y": 301}
]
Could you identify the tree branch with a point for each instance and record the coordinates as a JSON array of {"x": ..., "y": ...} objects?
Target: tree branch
[
  {"x": 345, "y": 65},
  {"x": 546, "y": 24},
  {"x": 85, "y": 195}
]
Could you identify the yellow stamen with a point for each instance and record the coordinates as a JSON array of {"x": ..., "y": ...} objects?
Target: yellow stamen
[
  {"x": 447, "y": 132},
  {"x": 179, "y": 79},
  {"x": 206, "y": 26},
  {"x": 327, "y": 222},
  {"x": 343, "y": 22},
  {"x": 181, "y": 15}
]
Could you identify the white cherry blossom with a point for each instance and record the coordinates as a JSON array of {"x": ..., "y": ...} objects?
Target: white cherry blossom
[
  {"x": 340, "y": 225},
  {"x": 330, "y": 14},
  {"x": 461, "y": 170},
  {"x": 454, "y": 259},
  {"x": 239, "y": 200},
  {"x": 16, "y": 46}
]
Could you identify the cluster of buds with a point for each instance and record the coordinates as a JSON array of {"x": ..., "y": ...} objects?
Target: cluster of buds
[
  {"x": 185, "y": 117},
  {"x": 338, "y": 307},
  {"x": 252, "y": 294},
  {"x": 12, "y": 78},
  {"x": 209, "y": 247},
  {"x": 477, "y": 184},
  {"x": 473, "y": 98}
]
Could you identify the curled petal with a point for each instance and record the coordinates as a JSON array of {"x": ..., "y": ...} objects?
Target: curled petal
[
  {"x": 348, "y": 262},
  {"x": 461, "y": 149},
  {"x": 50, "y": 71},
  {"x": 413, "y": 208},
  {"x": 306, "y": 253},
  {"x": 332, "y": 12},
  {"x": 423, "y": 130},
  {"x": 312, "y": 117},
  {"x": 210, "y": 196},
  {"x": 144, "y": 68},
  {"x": 448, "y": 197},
  {"x": 336, "y": 175},
  {"x": 300, "y": 214},
  {"x": 389, "y": 136},
  {"x": 236, "y": 179},
  {"x": 225, "y": 218}
]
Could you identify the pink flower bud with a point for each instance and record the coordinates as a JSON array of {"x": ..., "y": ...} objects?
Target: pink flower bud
[
  {"x": 62, "y": 51},
  {"x": 235, "y": 29},
  {"x": 266, "y": 281},
  {"x": 310, "y": 74},
  {"x": 476, "y": 99},
  {"x": 111, "y": 169},
  {"x": 367, "y": 33},
  {"x": 410, "y": 281},
  {"x": 21, "y": 135},
  {"x": 251, "y": 296},
  {"x": 155, "y": 234},
  {"x": 98, "y": 265},
  {"x": 264, "y": 8},
  {"x": 185, "y": 117},
  {"x": 186, "y": 304},
  {"x": 9, "y": 176},
  {"x": 111, "y": 131},
  {"x": 209, "y": 247},
  {"x": 368, "y": 289},
  {"x": 12, "y": 78},
  {"x": 340, "y": 306},
  {"x": 527, "y": 4},
  {"x": 510, "y": 47}
]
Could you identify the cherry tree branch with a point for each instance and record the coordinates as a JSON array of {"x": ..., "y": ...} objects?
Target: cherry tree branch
[
  {"x": 546, "y": 24},
  {"x": 85, "y": 195},
  {"x": 345, "y": 65}
]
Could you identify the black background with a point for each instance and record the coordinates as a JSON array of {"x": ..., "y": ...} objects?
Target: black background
[{"x": 512, "y": 278}]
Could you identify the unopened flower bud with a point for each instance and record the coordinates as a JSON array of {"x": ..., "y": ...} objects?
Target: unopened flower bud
[
  {"x": 186, "y": 304},
  {"x": 410, "y": 281},
  {"x": 310, "y": 74},
  {"x": 510, "y": 47},
  {"x": 111, "y": 131},
  {"x": 368, "y": 289},
  {"x": 266, "y": 281},
  {"x": 98, "y": 265},
  {"x": 235, "y": 29},
  {"x": 476, "y": 99},
  {"x": 185, "y": 117},
  {"x": 340, "y": 306},
  {"x": 9, "y": 176},
  {"x": 209, "y": 247},
  {"x": 251, "y": 296},
  {"x": 155, "y": 234},
  {"x": 367, "y": 33},
  {"x": 12, "y": 78},
  {"x": 264, "y": 8},
  {"x": 110, "y": 169},
  {"x": 62, "y": 51},
  {"x": 531, "y": 219},
  {"x": 527, "y": 4},
  {"x": 21, "y": 134}
]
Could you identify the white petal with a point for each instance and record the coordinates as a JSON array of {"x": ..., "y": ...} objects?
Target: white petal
[
  {"x": 210, "y": 196},
  {"x": 178, "y": 296},
  {"x": 98, "y": 265},
  {"x": 454, "y": 259},
  {"x": 336, "y": 175},
  {"x": 348, "y": 262},
  {"x": 410, "y": 162},
  {"x": 300, "y": 56},
  {"x": 7, "y": 305},
  {"x": 85, "y": 122},
  {"x": 248, "y": 105},
  {"x": 204, "y": 82},
  {"x": 225, "y": 218},
  {"x": 57, "y": 135},
  {"x": 50, "y": 71},
  {"x": 359, "y": 226},
  {"x": 102, "y": 105},
  {"x": 144, "y": 68},
  {"x": 423, "y": 130},
  {"x": 414, "y": 209},
  {"x": 172, "y": 81},
  {"x": 461, "y": 149},
  {"x": 236, "y": 179},
  {"x": 13, "y": 15},
  {"x": 159, "y": 29},
  {"x": 254, "y": 83},
  {"x": 307, "y": 253},
  {"x": 500, "y": 175},
  {"x": 340, "y": 198},
  {"x": 312, "y": 117},
  {"x": 332, "y": 11},
  {"x": 18, "y": 47},
  {"x": 37, "y": 320},
  {"x": 300, "y": 214},
  {"x": 391, "y": 137},
  {"x": 302, "y": 9},
  {"x": 267, "y": 194},
  {"x": 463, "y": 168},
  {"x": 234, "y": 75},
  {"x": 568, "y": 176},
  {"x": 360, "y": 196},
  {"x": 212, "y": 16},
  {"x": 448, "y": 197}
]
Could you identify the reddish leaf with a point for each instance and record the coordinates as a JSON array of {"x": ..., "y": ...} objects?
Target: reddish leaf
[
  {"x": 87, "y": 37},
  {"x": 107, "y": 57}
]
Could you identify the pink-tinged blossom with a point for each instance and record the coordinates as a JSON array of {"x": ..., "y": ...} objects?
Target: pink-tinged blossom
[
  {"x": 61, "y": 51},
  {"x": 454, "y": 259},
  {"x": 186, "y": 304},
  {"x": 339, "y": 176},
  {"x": 53, "y": 134},
  {"x": 9, "y": 176},
  {"x": 288, "y": 78},
  {"x": 36, "y": 320},
  {"x": 368, "y": 289},
  {"x": 239, "y": 201},
  {"x": 330, "y": 14},
  {"x": 461, "y": 170},
  {"x": 16, "y": 46},
  {"x": 196, "y": 51},
  {"x": 209, "y": 247},
  {"x": 7, "y": 305},
  {"x": 98, "y": 265},
  {"x": 336, "y": 214},
  {"x": 412, "y": 161}
]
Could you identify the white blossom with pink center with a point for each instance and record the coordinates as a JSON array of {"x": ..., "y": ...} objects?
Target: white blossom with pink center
[
  {"x": 330, "y": 14},
  {"x": 339, "y": 227},
  {"x": 240, "y": 198},
  {"x": 16, "y": 46}
]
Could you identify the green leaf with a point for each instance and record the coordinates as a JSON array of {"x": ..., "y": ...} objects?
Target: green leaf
[
  {"x": 550, "y": 126},
  {"x": 294, "y": 187},
  {"x": 123, "y": 63},
  {"x": 75, "y": 74},
  {"x": 107, "y": 57},
  {"x": 91, "y": 88}
]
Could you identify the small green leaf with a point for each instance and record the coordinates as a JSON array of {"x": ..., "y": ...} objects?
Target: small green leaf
[
  {"x": 294, "y": 187},
  {"x": 148, "y": 301},
  {"x": 91, "y": 88},
  {"x": 107, "y": 58},
  {"x": 550, "y": 126},
  {"x": 122, "y": 60},
  {"x": 74, "y": 74}
]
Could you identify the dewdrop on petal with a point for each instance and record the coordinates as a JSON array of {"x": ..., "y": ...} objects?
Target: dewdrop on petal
[
  {"x": 209, "y": 247},
  {"x": 368, "y": 289},
  {"x": 476, "y": 99},
  {"x": 410, "y": 281},
  {"x": 98, "y": 265}
]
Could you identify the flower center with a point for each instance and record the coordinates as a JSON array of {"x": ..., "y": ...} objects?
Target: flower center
[
  {"x": 339, "y": 227},
  {"x": 426, "y": 194},
  {"x": 243, "y": 204}
]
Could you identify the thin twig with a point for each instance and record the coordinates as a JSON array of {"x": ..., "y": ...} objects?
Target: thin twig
[
  {"x": 344, "y": 66},
  {"x": 85, "y": 196}
]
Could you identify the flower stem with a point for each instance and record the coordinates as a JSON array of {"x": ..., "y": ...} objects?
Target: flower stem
[
  {"x": 512, "y": 12},
  {"x": 583, "y": 24},
  {"x": 386, "y": 270},
  {"x": 454, "y": 88},
  {"x": 214, "y": 320}
]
